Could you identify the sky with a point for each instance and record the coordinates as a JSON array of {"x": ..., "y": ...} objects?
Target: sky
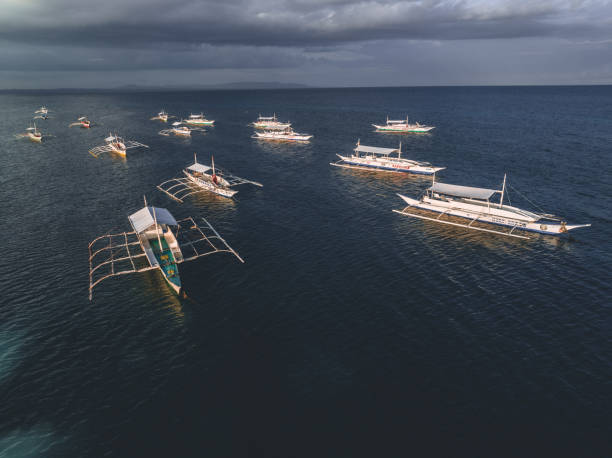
[{"x": 110, "y": 43}]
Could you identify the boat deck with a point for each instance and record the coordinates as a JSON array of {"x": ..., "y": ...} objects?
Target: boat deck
[{"x": 166, "y": 260}]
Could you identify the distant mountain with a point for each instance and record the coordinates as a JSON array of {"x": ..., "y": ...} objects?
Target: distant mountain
[
  {"x": 190, "y": 87},
  {"x": 226, "y": 86}
]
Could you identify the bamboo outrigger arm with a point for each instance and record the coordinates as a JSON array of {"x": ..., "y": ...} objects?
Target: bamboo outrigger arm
[
  {"x": 466, "y": 226},
  {"x": 179, "y": 188},
  {"x": 112, "y": 255}
]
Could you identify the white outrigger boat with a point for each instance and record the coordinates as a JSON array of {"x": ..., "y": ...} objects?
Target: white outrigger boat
[
  {"x": 161, "y": 116},
  {"x": 157, "y": 241},
  {"x": 198, "y": 120},
  {"x": 42, "y": 113},
  {"x": 115, "y": 144},
  {"x": 270, "y": 123},
  {"x": 475, "y": 205},
  {"x": 83, "y": 122},
  {"x": 203, "y": 178},
  {"x": 33, "y": 134},
  {"x": 379, "y": 159},
  {"x": 177, "y": 129},
  {"x": 403, "y": 126},
  {"x": 286, "y": 135}
]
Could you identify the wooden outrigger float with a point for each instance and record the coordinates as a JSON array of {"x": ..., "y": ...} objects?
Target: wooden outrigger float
[
  {"x": 157, "y": 241},
  {"x": 203, "y": 178},
  {"x": 115, "y": 144},
  {"x": 456, "y": 203}
]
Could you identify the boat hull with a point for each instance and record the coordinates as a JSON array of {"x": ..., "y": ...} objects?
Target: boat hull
[
  {"x": 34, "y": 138},
  {"x": 210, "y": 186},
  {"x": 492, "y": 218},
  {"x": 387, "y": 166},
  {"x": 278, "y": 126},
  {"x": 164, "y": 260},
  {"x": 199, "y": 123},
  {"x": 404, "y": 130},
  {"x": 283, "y": 138}
]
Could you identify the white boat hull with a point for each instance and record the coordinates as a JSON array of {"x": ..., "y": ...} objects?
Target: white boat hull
[
  {"x": 271, "y": 126},
  {"x": 210, "y": 186},
  {"x": 198, "y": 123},
  {"x": 492, "y": 215},
  {"x": 282, "y": 137},
  {"x": 404, "y": 129},
  {"x": 387, "y": 165}
]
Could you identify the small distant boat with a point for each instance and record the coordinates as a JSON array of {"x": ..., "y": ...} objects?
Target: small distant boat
[
  {"x": 115, "y": 144},
  {"x": 198, "y": 120},
  {"x": 161, "y": 116},
  {"x": 200, "y": 177},
  {"x": 403, "y": 126},
  {"x": 82, "y": 122},
  {"x": 177, "y": 129},
  {"x": 380, "y": 159},
  {"x": 475, "y": 205},
  {"x": 33, "y": 134},
  {"x": 286, "y": 135},
  {"x": 270, "y": 123},
  {"x": 157, "y": 241},
  {"x": 42, "y": 110}
]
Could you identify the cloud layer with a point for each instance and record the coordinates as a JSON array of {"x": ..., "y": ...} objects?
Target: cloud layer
[{"x": 120, "y": 35}]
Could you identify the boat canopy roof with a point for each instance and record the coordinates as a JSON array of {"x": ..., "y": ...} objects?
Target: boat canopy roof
[
  {"x": 197, "y": 167},
  {"x": 375, "y": 150},
  {"x": 396, "y": 121},
  {"x": 145, "y": 218},
  {"x": 462, "y": 191}
]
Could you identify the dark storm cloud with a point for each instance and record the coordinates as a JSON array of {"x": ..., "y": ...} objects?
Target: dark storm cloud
[
  {"x": 309, "y": 41},
  {"x": 299, "y": 23}
]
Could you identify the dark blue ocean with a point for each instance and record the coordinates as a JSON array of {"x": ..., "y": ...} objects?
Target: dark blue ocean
[{"x": 350, "y": 330}]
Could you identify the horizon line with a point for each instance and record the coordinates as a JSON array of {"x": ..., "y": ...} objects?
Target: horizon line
[{"x": 284, "y": 86}]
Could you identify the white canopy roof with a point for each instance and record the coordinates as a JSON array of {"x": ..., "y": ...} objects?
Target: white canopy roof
[
  {"x": 197, "y": 167},
  {"x": 375, "y": 150},
  {"x": 144, "y": 218},
  {"x": 462, "y": 191}
]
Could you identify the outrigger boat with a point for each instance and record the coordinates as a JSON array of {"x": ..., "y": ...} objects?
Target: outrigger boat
[
  {"x": 83, "y": 122},
  {"x": 401, "y": 126},
  {"x": 115, "y": 144},
  {"x": 33, "y": 134},
  {"x": 371, "y": 157},
  {"x": 157, "y": 241},
  {"x": 177, "y": 129},
  {"x": 286, "y": 135},
  {"x": 161, "y": 116},
  {"x": 203, "y": 178},
  {"x": 474, "y": 204},
  {"x": 198, "y": 120},
  {"x": 270, "y": 123},
  {"x": 42, "y": 113}
]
